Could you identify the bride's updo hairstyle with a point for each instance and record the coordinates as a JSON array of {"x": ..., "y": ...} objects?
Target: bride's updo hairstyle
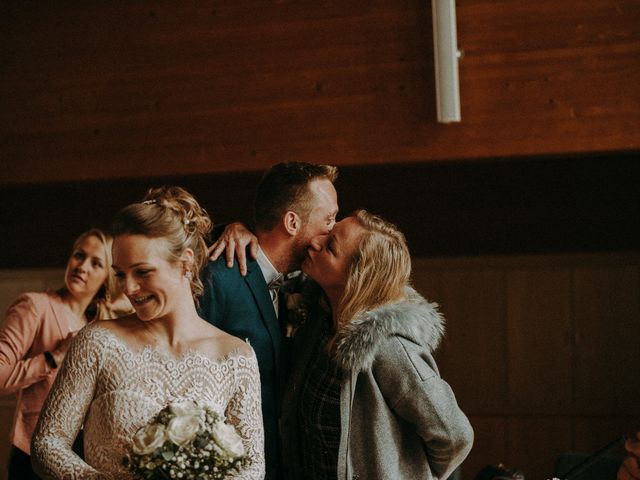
[{"x": 170, "y": 213}]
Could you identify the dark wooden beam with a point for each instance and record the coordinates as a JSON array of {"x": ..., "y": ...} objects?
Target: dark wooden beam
[{"x": 544, "y": 205}]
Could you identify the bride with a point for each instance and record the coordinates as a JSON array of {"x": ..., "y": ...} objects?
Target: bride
[{"x": 119, "y": 374}]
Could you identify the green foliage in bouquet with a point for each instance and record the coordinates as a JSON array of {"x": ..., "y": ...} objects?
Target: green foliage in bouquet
[{"x": 189, "y": 442}]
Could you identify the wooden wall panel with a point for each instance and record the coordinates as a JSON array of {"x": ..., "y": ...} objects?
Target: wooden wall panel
[
  {"x": 134, "y": 89},
  {"x": 539, "y": 340},
  {"x": 541, "y": 62},
  {"x": 588, "y": 204},
  {"x": 489, "y": 444},
  {"x": 547, "y": 380},
  {"x": 473, "y": 359},
  {"x": 427, "y": 282},
  {"x": 534, "y": 444},
  {"x": 593, "y": 433},
  {"x": 607, "y": 313}
]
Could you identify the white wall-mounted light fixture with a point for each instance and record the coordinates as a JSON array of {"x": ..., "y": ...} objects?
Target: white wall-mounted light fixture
[{"x": 446, "y": 56}]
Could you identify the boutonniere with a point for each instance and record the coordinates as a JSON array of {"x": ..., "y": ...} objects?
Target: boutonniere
[
  {"x": 297, "y": 302},
  {"x": 297, "y": 311}
]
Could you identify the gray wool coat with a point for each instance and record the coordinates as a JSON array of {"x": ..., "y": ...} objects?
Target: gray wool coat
[{"x": 399, "y": 418}]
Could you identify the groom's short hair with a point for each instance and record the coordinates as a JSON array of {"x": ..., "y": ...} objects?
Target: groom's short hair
[{"x": 284, "y": 187}]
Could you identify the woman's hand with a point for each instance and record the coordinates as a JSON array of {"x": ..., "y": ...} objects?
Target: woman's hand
[
  {"x": 234, "y": 240},
  {"x": 62, "y": 347}
]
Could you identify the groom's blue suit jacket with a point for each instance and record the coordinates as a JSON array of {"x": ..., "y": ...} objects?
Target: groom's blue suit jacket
[{"x": 242, "y": 307}]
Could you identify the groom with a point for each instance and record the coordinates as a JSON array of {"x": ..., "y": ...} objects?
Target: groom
[{"x": 294, "y": 203}]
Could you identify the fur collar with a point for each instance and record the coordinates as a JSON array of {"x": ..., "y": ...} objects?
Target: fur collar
[{"x": 413, "y": 318}]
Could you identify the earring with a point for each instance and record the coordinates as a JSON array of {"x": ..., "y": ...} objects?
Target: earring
[{"x": 189, "y": 275}]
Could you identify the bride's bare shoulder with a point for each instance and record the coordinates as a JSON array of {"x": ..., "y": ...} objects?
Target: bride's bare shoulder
[
  {"x": 125, "y": 326},
  {"x": 223, "y": 344}
]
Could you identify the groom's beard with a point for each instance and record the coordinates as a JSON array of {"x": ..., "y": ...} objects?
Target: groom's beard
[{"x": 298, "y": 254}]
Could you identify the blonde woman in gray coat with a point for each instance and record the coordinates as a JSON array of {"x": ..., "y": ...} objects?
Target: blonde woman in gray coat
[{"x": 365, "y": 399}]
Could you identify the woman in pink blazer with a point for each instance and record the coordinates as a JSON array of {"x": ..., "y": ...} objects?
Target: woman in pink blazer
[{"x": 38, "y": 330}]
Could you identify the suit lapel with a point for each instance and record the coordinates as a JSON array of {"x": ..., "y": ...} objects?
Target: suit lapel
[{"x": 260, "y": 292}]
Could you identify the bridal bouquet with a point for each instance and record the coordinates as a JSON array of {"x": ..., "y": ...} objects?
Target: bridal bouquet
[{"x": 186, "y": 441}]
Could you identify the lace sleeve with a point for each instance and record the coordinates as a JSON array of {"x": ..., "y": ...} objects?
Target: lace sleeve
[
  {"x": 245, "y": 413},
  {"x": 64, "y": 412}
]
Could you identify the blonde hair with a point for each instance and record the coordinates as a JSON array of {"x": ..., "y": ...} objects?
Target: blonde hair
[
  {"x": 97, "y": 309},
  {"x": 170, "y": 213},
  {"x": 379, "y": 271}
]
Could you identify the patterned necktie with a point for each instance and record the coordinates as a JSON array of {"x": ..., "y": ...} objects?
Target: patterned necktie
[
  {"x": 277, "y": 282},
  {"x": 284, "y": 279},
  {"x": 274, "y": 287}
]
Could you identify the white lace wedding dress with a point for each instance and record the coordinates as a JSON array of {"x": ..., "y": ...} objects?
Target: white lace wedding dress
[{"x": 114, "y": 390}]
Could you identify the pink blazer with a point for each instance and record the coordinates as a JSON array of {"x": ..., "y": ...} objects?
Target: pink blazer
[{"x": 35, "y": 323}]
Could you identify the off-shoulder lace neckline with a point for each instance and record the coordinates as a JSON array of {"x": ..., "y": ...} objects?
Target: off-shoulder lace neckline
[{"x": 163, "y": 353}]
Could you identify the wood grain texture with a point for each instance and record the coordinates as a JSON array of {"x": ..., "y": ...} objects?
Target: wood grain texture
[
  {"x": 134, "y": 89},
  {"x": 534, "y": 443},
  {"x": 489, "y": 444},
  {"x": 474, "y": 354},
  {"x": 539, "y": 341},
  {"x": 607, "y": 313},
  {"x": 593, "y": 433},
  {"x": 541, "y": 352}
]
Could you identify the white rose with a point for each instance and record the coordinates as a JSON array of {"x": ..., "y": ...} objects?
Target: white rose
[
  {"x": 228, "y": 439},
  {"x": 293, "y": 300},
  {"x": 187, "y": 407},
  {"x": 183, "y": 429},
  {"x": 148, "y": 438}
]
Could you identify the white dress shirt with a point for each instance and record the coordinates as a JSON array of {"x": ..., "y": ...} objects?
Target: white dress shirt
[{"x": 269, "y": 273}]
